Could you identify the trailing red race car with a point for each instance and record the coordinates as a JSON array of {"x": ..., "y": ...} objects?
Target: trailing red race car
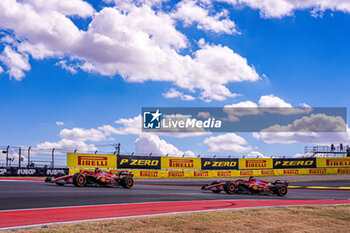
[
  {"x": 252, "y": 185},
  {"x": 97, "y": 177}
]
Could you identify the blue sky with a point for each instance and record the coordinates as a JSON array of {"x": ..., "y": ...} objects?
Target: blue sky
[{"x": 298, "y": 57}]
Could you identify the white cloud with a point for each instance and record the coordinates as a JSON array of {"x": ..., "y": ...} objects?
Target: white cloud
[
  {"x": 214, "y": 61},
  {"x": 69, "y": 68},
  {"x": 16, "y": 62},
  {"x": 274, "y": 104},
  {"x": 66, "y": 7},
  {"x": 52, "y": 29},
  {"x": 267, "y": 103},
  {"x": 313, "y": 123},
  {"x": 281, "y": 8},
  {"x": 128, "y": 126},
  {"x": 66, "y": 144},
  {"x": 1, "y": 70},
  {"x": 59, "y": 123},
  {"x": 189, "y": 153},
  {"x": 189, "y": 12},
  {"x": 80, "y": 134},
  {"x": 203, "y": 115},
  {"x": 139, "y": 44},
  {"x": 240, "y": 109},
  {"x": 255, "y": 154},
  {"x": 229, "y": 142},
  {"x": 172, "y": 93},
  {"x": 273, "y": 101},
  {"x": 72, "y": 139},
  {"x": 150, "y": 143},
  {"x": 308, "y": 155}
]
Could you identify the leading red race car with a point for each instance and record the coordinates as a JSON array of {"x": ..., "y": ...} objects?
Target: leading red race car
[
  {"x": 97, "y": 177},
  {"x": 251, "y": 185}
]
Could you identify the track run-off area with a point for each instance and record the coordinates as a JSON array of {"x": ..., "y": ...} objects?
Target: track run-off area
[{"x": 27, "y": 203}]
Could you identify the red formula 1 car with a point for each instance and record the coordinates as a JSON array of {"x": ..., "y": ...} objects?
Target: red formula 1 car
[
  {"x": 251, "y": 185},
  {"x": 97, "y": 177}
]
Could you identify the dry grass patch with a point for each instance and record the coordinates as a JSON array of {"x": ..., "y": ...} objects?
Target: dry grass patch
[{"x": 290, "y": 219}]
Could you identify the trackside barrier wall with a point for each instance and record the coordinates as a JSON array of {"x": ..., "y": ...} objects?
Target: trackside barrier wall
[
  {"x": 15, "y": 171},
  {"x": 226, "y": 173},
  {"x": 175, "y": 167}
]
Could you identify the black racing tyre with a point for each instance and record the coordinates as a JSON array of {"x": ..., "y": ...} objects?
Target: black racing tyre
[
  {"x": 281, "y": 190},
  {"x": 79, "y": 180},
  {"x": 127, "y": 182},
  {"x": 230, "y": 187},
  {"x": 204, "y": 187}
]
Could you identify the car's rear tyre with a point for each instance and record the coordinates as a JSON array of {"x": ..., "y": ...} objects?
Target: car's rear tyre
[
  {"x": 230, "y": 187},
  {"x": 127, "y": 182},
  {"x": 79, "y": 180},
  {"x": 281, "y": 190}
]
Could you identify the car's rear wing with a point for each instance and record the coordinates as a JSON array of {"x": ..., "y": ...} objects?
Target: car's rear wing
[
  {"x": 125, "y": 173},
  {"x": 281, "y": 182}
]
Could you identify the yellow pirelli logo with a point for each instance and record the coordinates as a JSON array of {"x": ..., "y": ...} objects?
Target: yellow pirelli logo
[
  {"x": 246, "y": 173},
  {"x": 255, "y": 163},
  {"x": 91, "y": 160},
  {"x": 267, "y": 172},
  {"x": 224, "y": 173},
  {"x": 291, "y": 171},
  {"x": 201, "y": 173},
  {"x": 317, "y": 171},
  {"x": 332, "y": 162},
  {"x": 97, "y": 161},
  {"x": 149, "y": 173},
  {"x": 180, "y": 163},
  {"x": 344, "y": 170},
  {"x": 176, "y": 174}
]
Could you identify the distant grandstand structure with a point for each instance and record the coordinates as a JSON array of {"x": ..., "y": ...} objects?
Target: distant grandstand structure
[{"x": 327, "y": 151}]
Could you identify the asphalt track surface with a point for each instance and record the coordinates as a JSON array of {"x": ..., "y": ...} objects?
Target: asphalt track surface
[{"x": 26, "y": 194}]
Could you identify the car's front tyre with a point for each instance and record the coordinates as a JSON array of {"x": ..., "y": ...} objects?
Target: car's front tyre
[
  {"x": 79, "y": 180},
  {"x": 230, "y": 187}
]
